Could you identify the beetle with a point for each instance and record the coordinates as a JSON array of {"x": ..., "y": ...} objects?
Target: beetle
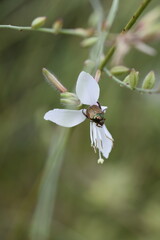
[{"x": 95, "y": 114}]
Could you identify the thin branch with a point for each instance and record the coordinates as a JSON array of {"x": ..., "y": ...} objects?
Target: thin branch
[
  {"x": 112, "y": 14},
  {"x": 97, "y": 49},
  {"x": 128, "y": 26},
  {"x": 76, "y": 32},
  {"x": 123, "y": 84}
]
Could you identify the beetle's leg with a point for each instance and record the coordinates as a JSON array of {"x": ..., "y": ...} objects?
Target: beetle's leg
[
  {"x": 98, "y": 125},
  {"x": 84, "y": 113},
  {"x": 99, "y": 105}
]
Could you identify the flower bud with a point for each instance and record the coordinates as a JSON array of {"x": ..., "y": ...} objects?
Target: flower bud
[
  {"x": 133, "y": 78},
  {"x": 93, "y": 19},
  {"x": 57, "y": 25},
  {"x": 70, "y": 99},
  {"x": 89, "y": 41},
  {"x": 149, "y": 81},
  {"x": 82, "y": 32},
  {"x": 126, "y": 80},
  {"x": 38, "y": 22},
  {"x": 118, "y": 70},
  {"x": 51, "y": 79},
  {"x": 89, "y": 62},
  {"x": 89, "y": 65}
]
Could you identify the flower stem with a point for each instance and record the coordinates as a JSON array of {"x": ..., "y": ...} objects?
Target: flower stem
[
  {"x": 123, "y": 84},
  {"x": 76, "y": 32},
  {"x": 128, "y": 26},
  {"x": 97, "y": 49}
]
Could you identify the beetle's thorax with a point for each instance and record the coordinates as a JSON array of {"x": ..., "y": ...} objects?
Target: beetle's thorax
[{"x": 95, "y": 114}]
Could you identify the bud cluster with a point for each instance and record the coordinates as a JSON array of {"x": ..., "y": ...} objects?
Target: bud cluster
[
  {"x": 67, "y": 98},
  {"x": 70, "y": 100},
  {"x": 132, "y": 78}
]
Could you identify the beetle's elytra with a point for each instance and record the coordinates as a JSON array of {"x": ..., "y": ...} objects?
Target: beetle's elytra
[{"x": 95, "y": 114}]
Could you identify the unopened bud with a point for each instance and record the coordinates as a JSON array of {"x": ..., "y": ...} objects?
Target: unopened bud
[
  {"x": 93, "y": 19},
  {"x": 89, "y": 62},
  {"x": 133, "y": 78},
  {"x": 118, "y": 70},
  {"x": 57, "y": 25},
  {"x": 70, "y": 99},
  {"x": 68, "y": 95},
  {"x": 38, "y": 22},
  {"x": 126, "y": 80},
  {"x": 82, "y": 32},
  {"x": 89, "y": 65},
  {"x": 51, "y": 79},
  {"x": 149, "y": 81},
  {"x": 89, "y": 41}
]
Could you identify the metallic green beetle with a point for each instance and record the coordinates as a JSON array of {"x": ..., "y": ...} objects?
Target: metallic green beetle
[{"x": 95, "y": 114}]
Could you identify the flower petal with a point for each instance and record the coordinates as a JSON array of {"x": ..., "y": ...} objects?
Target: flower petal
[
  {"x": 104, "y": 108},
  {"x": 107, "y": 142},
  {"x": 87, "y": 89},
  {"x": 107, "y": 133},
  {"x": 64, "y": 117},
  {"x": 101, "y": 139},
  {"x": 91, "y": 133}
]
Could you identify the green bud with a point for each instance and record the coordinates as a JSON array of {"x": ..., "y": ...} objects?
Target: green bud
[
  {"x": 82, "y": 32},
  {"x": 89, "y": 65},
  {"x": 57, "y": 25},
  {"x": 70, "y": 99},
  {"x": 133, "y": 78},
  {"x": 93, "y": 19},
  {"x": 89, "y": 41},
  {"x": 68, "y": 95},
  {"x": 118, "y": 70},
  {"x": 38, "y": 22},
  {"x": 126, "y": 80},
  {"x": 149, "y": 81}
]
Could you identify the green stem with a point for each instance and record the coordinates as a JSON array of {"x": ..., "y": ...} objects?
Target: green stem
[
  {"x": 42, "y": 217},
  {"x": 136, "y": 15},
  {"x": 128, "y": 26},
  {"x": 97, "y": 50},
  {"x": 112, "y": 14},
  {"x": 76, "y": 32},
  {"x": 123, "y": 84}
]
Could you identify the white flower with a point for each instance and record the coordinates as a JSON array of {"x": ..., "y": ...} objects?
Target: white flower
[{"x": 87, "y": 90}]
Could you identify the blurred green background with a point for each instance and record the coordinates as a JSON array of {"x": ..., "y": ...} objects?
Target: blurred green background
[{"x": 117, "y": 200}]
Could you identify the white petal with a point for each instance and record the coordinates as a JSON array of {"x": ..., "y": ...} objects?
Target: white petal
[
  {"x": 64, "y": 117},
  {"x": 94, "y": 134},
  {"x": 107, "y": 143},
  {"x": 87, "y": 89},
  {"x": 91, "y": 133},
  {"x": 99, "y": 140},
  {"x": 107, "y": 133},
  {"x": 104, "y": 108}
]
